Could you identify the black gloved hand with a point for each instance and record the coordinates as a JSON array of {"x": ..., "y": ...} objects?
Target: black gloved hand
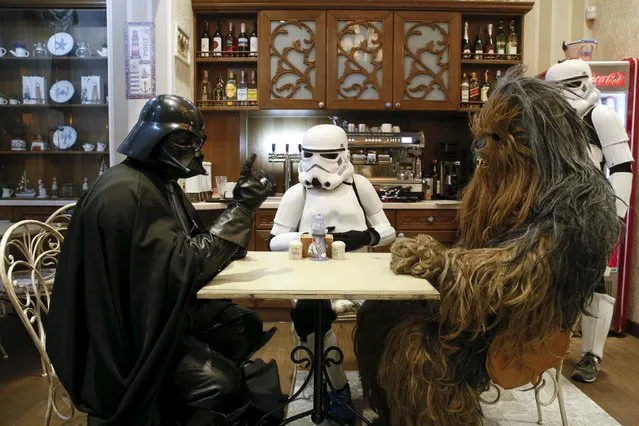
[
  {"x": 249, "y": 192},
  {"x": 357, "y": 239}
]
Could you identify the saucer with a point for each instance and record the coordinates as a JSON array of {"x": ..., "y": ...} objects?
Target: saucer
[
  {"x": 62, "y": 91},
  {"x": 60, "y": 44}
]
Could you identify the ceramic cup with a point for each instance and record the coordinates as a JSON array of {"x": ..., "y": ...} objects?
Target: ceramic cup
[
  {"x": 3, "y": 101},
  {"x": 351, "y": 127},
  {"x": 361, "y": 127},
  {"x": 88, "y": 147},
  {"x": 14, "y": 101},
  {"x": 396, "y": 129},
  {"x": 103, "y": 52},
  {"x": 7, "y": 192},
  {"x": 20, "y": 52},
  {"x": 3, "y": 52},
  {"x": 386, "y": 127},
  {"x": 101, "y": 146}
]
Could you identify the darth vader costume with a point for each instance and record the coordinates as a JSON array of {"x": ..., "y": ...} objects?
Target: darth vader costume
[{"x": 126, "y": 335}]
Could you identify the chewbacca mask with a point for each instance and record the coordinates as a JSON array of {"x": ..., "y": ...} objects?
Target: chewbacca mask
[{"x": 537, "y": 224}]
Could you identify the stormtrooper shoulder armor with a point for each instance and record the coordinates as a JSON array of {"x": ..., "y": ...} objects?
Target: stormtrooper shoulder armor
[
  {"x": 290, "y": 210},
  {"x": 612, "y": 136}
]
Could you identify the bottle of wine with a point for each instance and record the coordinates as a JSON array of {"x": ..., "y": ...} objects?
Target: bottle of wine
[
  {"x": 252, "y": 89},
  {"x": 479, "y": 46},
  {"x": 242, "y": 41},
  {"x": 490, "y": 45},
  {"x": 466, "y": 43},
  {"x": 205, "y": 41},
  {"x": 205, "y": 89},
  {"x": 218, "y": 96},
  {"x": 511, "y": 46},
  {"x": 253, "y": 41},
  {"x": 229, "y": 45},
  {"x": 465, "y": 87},
  {"x": 501, "y": 40},
  {"x": 231, "y": 89},
  {"x": 242, "y": 90},
  {"x": 485, "y": 87},
  {"x": 217, "y": 41}
]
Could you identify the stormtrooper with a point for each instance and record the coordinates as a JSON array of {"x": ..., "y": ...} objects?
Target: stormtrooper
[
  {"x": 353, "y": 214},
  {"x": 608, "y": 147}
]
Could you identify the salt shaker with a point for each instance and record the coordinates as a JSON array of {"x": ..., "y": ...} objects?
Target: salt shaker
[
  {"x": 338, "y": 250},
  {"x": 295, "y": 250}
]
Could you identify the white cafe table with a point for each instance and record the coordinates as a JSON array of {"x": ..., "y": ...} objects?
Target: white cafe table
[{"x": 272, "y": 275}]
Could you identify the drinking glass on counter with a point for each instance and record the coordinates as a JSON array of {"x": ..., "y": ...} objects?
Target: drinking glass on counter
[{"x": 220, "y": 185}]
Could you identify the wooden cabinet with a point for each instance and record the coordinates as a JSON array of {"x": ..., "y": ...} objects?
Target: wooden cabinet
[
  {"x": 359, "y": 59},
  {"x": 426, "y": 65},
  {"x": 292, "y": 46},
  {"x": 439, "y": 224}
]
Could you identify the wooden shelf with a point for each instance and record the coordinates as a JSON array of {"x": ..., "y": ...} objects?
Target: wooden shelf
[
  {"x": 53, "y": 106},
  {"x": 9, "y": 58},
  {"x": 54, "y": 153},
  {"x": 491, "y": 61},
  {"x": 466, "y": 109},
  {"x": 226, "y": 59},
  {"x": 230, "y": 108}
]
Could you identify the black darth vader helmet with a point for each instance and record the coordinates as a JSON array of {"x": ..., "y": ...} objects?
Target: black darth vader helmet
[{"x": 170, "y": 133}]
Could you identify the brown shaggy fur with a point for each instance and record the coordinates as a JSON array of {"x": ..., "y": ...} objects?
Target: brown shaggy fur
[{"x": 528, "y": 258}]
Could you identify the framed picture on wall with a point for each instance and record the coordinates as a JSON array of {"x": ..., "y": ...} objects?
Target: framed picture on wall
[{"x": 182, "y": 45}]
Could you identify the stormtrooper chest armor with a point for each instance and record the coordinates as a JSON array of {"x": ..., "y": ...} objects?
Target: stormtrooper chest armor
[{"x": 339, "y": 207}]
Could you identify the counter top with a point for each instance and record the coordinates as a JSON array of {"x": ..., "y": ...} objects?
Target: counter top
[{"x": 274, "y": 204}]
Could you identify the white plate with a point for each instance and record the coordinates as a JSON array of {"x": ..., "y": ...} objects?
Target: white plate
[
  {"x": 62, "y": 91},
  {"x": 65, "y": 137},
  {"x": 60, "y": 44}
]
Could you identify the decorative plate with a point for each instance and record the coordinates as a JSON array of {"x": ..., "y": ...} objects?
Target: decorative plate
[
  {"x": 60, "y": 44},
  {"x": 65, "y": 137},
  {"x": 62, "y": 91}
]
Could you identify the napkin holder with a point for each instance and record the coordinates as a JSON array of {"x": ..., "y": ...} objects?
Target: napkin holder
[{"x": 306, "y": 240}]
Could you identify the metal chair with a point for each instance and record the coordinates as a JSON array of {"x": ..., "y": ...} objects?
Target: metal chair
[
  {"x": 29, "y": 253},
  {"x": 61, "y": 218},
  {"x": 556, "y": 394}
]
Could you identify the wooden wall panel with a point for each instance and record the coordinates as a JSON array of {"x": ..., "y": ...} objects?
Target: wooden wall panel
[{"x": 222, "y": 147}]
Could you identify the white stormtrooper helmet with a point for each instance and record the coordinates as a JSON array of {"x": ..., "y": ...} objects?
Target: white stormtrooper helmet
[
  {"x": 578, "y": 86},
  {"x": 325, "y": 163}
]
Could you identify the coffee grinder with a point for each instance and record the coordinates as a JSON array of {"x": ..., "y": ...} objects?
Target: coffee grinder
[{"x": 449, "y": 171}]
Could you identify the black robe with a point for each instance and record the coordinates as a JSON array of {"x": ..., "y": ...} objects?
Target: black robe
[{"x": 126, "y": 274}]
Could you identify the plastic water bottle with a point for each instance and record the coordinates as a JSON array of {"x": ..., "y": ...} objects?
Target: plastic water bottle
[{"x": 317, "y": 249}]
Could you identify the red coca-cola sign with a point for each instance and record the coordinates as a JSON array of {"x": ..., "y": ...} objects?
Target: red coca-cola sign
[{"x": 613, "y": 79}]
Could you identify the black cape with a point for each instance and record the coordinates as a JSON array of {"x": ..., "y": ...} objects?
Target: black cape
[{"x": 125, "y": 276}]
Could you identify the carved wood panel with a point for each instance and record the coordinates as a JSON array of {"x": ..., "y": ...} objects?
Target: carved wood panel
[
  {"x": 427, "y": 46},
  {"x": 359, "y": 73},
  {"x": 264, "y": 219},
  {"x": 293, "y": 66}
]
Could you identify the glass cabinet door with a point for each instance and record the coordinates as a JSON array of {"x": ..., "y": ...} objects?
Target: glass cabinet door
[
  {"x": 294, "y": 60},
  {"x": 53, "y": 103},
  {"x": 427, "y": 46},
  {"x": 359, "y": 62}
]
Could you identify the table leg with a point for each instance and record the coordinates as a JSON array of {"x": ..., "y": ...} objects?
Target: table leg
[{"x": 318, "y": 361}]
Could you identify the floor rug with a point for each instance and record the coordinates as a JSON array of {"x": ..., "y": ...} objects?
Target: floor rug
[{"x": 514, "y": 408}]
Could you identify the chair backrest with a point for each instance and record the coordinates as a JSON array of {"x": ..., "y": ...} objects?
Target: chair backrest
[
  {"x": 29, "y": 253},
  {"x": 60, "y": 218}
]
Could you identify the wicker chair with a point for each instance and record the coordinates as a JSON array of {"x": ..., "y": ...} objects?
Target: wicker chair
[
  {"x": 29, "y": 253},
  {"x": 61, "y": 218}
]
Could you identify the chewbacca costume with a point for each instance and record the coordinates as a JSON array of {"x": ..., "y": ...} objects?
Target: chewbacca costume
[{"x": 537, "y": 224}]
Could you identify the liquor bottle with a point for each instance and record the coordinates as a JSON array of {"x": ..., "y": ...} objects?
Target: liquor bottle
[
  {"x": 497, "y": 75},
  {"x": 474, "y": 88},
  {"x": 511, "y": 46},
  {"x": 205, "y": 89},
  {"x": 242, "y": 41},
  {"x": 217, "y": 41},
  {"x": 242, "y": 90},
  {"x": 252, "y": 89},
  {"x": 205, "y": 41},
  {"x": 490, "y": 45},
  {"x": 437, "y": 184},
  {"x": 253, "y": 41},
  {"x": 479, "y": 46},
  {"x": 485, "y": 88},
  {"x": 500, "y": 39},
  {"x": 466, "y": 43},
  {"x": 229, "y": 45},
  {"x": 465, "y": 89},
  {"x": 231, "y": 89},
  {"x": 218, "y": 96}
]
